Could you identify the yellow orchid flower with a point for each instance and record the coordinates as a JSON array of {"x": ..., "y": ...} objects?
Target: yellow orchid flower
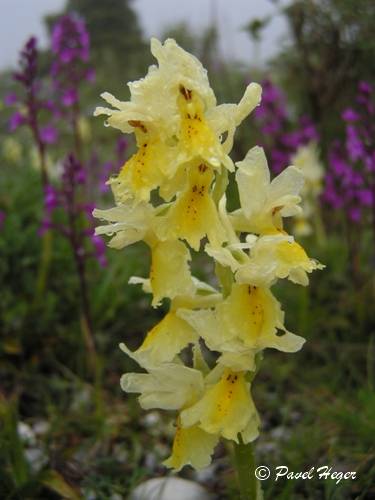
[
  {"x": 196, "y": 137},
  {"x": 307, "y": 160},
  {"x": 173, "y": 386},
  {"x": 194, "y": 214},
  {"x": 128, "y": 223},
  {"x": 226, "y": 408},
  {"x": 248, "y": 320},
  {"x": 12, "y": 150},
  {"x": 203, "y": 296},
  {"x": 264, "y": 203},
  {"x": 172, "y": 334},
  {"x": 170, "y": 386},
  {"x": 154, "y": 99},
  {"x": 170, "y": 272},
  {"x": 277, "y": 256},
  {"x": 174, "y": 115},
  {"x": 151, "y": 166},
  {"x": 171, "y": 195},
  {"x": 262, "y": 260},
  {"x": 165, "y": 340},
  {"x": 301, "y": 224},
  {"x": 191, "y": 445}
]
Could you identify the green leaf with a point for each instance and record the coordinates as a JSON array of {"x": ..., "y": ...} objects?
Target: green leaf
[{"x": 55, "y": 481}]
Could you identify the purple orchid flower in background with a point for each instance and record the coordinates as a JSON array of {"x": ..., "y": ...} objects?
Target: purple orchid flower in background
[
  {"x": 78, "y": 229},
  {"x": 70, "y": 43},
  {"x": 10, "y": 99},
  {"x": 100, "y": 172},
  {"x": 350, "y": 181},
  {"x": 70, "y": 28},
  {"x": 79, "y": 225},
  {"x": 48, "y": 134},
  {"x": 67, "y": 201},
  {"x": 281, "y": 137},
  {"x": 81, "y": 182},
  {"x": 112, "y": 167},
  {"x": 16, "y": 120},
  {"x": 31, "y": 103}
]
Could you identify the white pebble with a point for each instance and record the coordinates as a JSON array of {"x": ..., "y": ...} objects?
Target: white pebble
[{"x": 169, "y": 488}]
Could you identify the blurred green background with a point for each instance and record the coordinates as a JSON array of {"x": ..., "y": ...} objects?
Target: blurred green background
[{"x": 68, "y": 434}]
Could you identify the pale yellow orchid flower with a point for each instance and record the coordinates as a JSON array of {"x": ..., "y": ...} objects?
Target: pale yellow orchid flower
[{"x": 264, "y": 202}]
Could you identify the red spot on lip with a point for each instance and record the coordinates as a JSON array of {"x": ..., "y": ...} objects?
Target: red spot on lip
[
  {"x": 276, "y": 209},
  {"x": 137, "y": 124},
  {"x": 186, "y": 92}
]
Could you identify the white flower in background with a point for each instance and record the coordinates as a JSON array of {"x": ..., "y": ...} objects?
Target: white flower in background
[{"x": 308, "y": 161}]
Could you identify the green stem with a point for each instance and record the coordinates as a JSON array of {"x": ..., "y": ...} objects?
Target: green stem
[
  {"x": 221, "y": 184},
  {"x": 319, "y": 226},
  {"x": 44, "y": 265},
  {"x": 88, "y": 340},
  {"x": 245, "y": 465},
  {"x": 225, "y": 277},
  {"x": 303, "y": 309},
  {"x": 94, "y": 363}
]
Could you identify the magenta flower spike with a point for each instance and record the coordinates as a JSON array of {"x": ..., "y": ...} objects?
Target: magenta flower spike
[
  {"x": 78, "y": 226},
  {"x": 30, "y": 102},
  {"x": 70, "y": 43},
  {"x": 350, "y": 178},
  {"x": 282, "y": 139}
]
